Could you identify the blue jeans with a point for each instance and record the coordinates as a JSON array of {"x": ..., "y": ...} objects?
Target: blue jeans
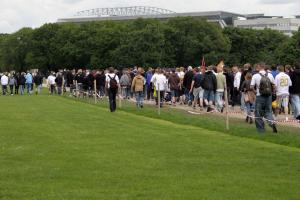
[
  {"x": 263, "y": 109},
  {"x": 243, "y": 103},
  {"x": 249, "y": 107},
  {"x": 219, "y": 100},
  {"x": 22, "y": 89},
  {"x": 28, "y": 86},
  {"x": 188, "y": 95},
  {"x": 295, "y": 99},
  {"x": 139, "y": 98}
]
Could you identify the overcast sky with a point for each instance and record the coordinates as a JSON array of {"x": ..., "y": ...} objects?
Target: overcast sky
[{"x": 15, "y": 14}]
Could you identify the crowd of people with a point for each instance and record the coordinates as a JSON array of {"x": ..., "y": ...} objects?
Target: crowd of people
[{"x": 261, "y": 91}]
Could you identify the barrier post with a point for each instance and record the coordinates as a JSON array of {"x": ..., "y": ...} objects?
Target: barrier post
[
  {"x": 227, "y": 107},
  {"x": 158, "y": 98},
  {"x": 95, "y": 90}
]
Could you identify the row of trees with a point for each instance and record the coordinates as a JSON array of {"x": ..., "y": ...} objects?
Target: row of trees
[{"x": 143, "y": 42}]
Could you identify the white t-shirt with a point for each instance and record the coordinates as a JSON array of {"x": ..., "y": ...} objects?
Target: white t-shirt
[
  {"x": 51, "y": 80},
  {"x": 160, "y": 81},
  {"x": 4, "y": 80},
  {"x": 255, "y": 82},
  {"x": 237, "y": 80},
  {"x": 111, "y": 77},
  {"x": 282, "y": 83}
]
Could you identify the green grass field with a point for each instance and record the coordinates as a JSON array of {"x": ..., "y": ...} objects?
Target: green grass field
[{"x": 58, "y": 148}]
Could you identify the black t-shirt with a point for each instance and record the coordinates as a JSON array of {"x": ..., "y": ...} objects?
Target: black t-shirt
[{"x": 198, "y": 78}]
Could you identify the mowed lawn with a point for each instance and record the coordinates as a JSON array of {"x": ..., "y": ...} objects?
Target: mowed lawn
[{"x": 57, "y": 148}]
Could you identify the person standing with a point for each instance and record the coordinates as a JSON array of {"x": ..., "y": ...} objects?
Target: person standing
[
  {"x": 112, "y": 86},
  {"x": 4, "y": 83},
  {"x": 283, "y": 83},
  {"x": 138, "y": 88},
  {"x": 264, "y": 84},
  {"x": 17, "y": 76},
  {"x": 29, "y": 80}
]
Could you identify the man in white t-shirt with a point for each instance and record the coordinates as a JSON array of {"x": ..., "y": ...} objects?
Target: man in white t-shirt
[
  {"x": 263, "y": 104},
  {"x": 236, "y": 86},
  {"x": 112, "y": 86},
  {"x": 4, "y": 83},
  {"x": 283, "y": 83},
  {"x": 160, "y": 81}
]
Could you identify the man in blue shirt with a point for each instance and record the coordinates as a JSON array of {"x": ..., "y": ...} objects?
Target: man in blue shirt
[{"x": 28, "y": 82}]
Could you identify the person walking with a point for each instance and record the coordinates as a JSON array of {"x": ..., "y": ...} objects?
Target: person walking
[
  {"x": 174, "y": 83},
  {"x": 22, "y": 82},
  {"x": 51, "y": 83},
  {"x": 196, "y": 88},
  {"x": 125, "y": 83},
  {"x": 59, "y": 83},
  {"x": 295, "y": 91},
  {"x": 4, "y": 83},
  {"x": 29, "y": 81},
  {"x": 12, "y": 82},
  {"x": 38, "y": 81},
  {"x": 112, "y": 86},
  {"x": 221, "y": 87},
  {"x": 264, "y": 84},
  {"x": 137, "y": 87},
  {"x": 283, "y": 83},
  {"x": 249, "y": 97},
  {"x": 210, "y": 87}
]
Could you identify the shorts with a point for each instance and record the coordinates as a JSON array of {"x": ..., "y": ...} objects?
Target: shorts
[
  {"x": 283, "y": 100},
  {"x": 174, "y": 93},
  {"x": 209, "y": 95},
  {"x": 198, "y": 93}
]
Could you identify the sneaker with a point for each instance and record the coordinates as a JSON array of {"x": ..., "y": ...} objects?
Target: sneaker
[
  {"x": 274, "y": 128},
  {"x": 209, "y": 109}
]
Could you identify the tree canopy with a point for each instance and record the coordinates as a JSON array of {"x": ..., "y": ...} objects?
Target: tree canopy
[{"x": 177, "y": 42}]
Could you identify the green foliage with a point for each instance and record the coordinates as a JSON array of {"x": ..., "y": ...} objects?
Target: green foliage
[
  {"x": 252, "y": 46},
  {"x": 179, "y": 41}
]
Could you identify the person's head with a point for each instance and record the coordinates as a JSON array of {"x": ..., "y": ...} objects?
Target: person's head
[
  {"x": 173, "y": 71},
  {"x": 280, "y": 68},
  {"x": 219, "y": 69},
  {"x": 235, "y": 69},
  {"x": 260, "y": 66},
  {"x": 247, "y": 66},
  {"x": 190, "y": 68},
  {"x": 248, "y": 76},
  {"x": 288, "y": 68},
  {"x": 274, "y": 68},
  {"x": 210, "y": 68},
  {"x": 181, "y": 69},
  {"x": 196, "y": 70},
  {"x": 111, "y": 70}
]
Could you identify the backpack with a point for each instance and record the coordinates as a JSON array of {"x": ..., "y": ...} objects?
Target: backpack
[
  {"x": 113, "y": 82},
  {"x": 265, "y": 86}
]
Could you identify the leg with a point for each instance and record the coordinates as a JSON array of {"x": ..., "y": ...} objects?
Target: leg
[{"x": 259, "y": 113}]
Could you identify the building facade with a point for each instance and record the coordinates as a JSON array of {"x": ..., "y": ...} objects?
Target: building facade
[{"x": 288, "y": 26}]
